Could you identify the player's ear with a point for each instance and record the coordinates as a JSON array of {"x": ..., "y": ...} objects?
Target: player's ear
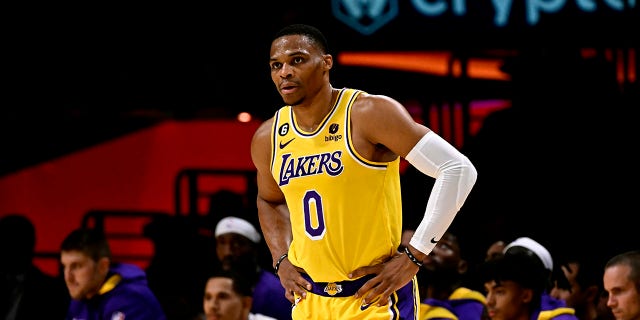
[{"x": 328, "y": 61}]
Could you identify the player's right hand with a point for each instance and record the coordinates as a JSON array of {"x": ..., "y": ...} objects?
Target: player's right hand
[{"x": 292, "y": 281}]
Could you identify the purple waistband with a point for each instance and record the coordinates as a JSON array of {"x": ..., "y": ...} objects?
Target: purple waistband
[{"x": 345, "y": 288}]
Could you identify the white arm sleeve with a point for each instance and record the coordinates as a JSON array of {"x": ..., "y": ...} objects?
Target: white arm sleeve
[{"x": 455, "y": 176}]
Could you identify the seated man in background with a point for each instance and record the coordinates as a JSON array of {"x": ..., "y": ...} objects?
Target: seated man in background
[
  {"x": 440, "y": 280},
  {"x": 237, "y": 248},
  {"x": 101, "y": 289},
  {"x": 517, "y": 283},
  {"x": 495, "y": 250},
  {"x": 584, "y": 287},
  {"x": 621, "y": 279},
  {"x": 228, "y": 296}
]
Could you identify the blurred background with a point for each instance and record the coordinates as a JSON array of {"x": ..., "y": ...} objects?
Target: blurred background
[{"x": 128, "y": 117}]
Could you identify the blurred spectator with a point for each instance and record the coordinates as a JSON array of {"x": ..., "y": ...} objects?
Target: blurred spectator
[
  {"x": 622, "y": 282},
  {"x": 237, "y": 246},
  {"x": 495, "y": 250},
  {"x": 583, "y": 286},
  {"x": 183, "y": 258},
  {"x": 228, "y": 296},
  {"x": 441, "y": 279},
  {"x": 100, "y": 288},
  {"x": 26, "y": 292},
  {"x": 516, "y": 284}
]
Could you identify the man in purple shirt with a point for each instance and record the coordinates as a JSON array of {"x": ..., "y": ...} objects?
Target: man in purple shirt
[{"x": 101, "y": 289}]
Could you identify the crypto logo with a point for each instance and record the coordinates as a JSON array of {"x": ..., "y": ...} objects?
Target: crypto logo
[{"x": 365, "y": 16}]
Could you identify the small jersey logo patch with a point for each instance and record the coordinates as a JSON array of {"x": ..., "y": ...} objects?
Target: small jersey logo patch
[{"x": 332, "y": 288}]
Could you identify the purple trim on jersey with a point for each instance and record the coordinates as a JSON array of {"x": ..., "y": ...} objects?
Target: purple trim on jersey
[
  {"x": 406, "y": 302},
  {"x": 321, "y": 126},
  {"x": 274, "y": 138},
  {"x": 347, "y": 288},
  {"x": 347, "y": 131}
]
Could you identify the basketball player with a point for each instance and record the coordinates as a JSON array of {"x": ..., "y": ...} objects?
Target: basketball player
[{"x": 329, "y": 198}]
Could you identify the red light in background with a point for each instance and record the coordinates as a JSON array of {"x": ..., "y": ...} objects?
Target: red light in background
[{"x": 244, "y": 117}]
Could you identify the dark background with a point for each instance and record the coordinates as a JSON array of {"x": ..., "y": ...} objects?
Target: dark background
[{"x": 560, "y": 165}]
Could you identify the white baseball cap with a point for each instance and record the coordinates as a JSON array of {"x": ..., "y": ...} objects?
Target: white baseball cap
[
  {"x": 239, "y": 226},
  {"x": 540, "y": 251}
]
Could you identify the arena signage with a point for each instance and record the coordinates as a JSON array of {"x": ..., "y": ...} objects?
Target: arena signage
[{"x": 369, "y": 16}]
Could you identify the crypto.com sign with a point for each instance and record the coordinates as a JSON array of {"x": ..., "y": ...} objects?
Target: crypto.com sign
[{"x": 367, "y": 16}]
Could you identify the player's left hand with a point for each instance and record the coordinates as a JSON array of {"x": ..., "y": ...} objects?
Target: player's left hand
[{"x": 391, "y": 275}]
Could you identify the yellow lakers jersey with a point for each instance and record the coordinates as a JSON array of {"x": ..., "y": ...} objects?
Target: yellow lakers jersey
[{"x": 345, "y": 210}]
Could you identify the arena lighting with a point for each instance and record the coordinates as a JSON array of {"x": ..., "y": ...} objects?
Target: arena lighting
[
  {"x": 244, "y": 117},
  {"x": 436, "y": 62}
]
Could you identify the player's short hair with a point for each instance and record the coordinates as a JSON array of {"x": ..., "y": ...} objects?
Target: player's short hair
[{"x": 311, "y": 32}]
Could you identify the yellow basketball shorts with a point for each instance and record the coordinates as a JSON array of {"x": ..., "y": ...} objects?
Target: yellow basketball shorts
[{"x": 335, "y": 301}]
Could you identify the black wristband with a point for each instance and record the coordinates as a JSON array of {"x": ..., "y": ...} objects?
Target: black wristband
[
  {"x": 277, "y": 266},
  {"x": 411, "y": 257}
]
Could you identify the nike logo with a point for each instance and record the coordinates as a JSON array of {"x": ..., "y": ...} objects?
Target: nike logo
[
  {"x": 365, "y": 306},
  {"x": 282, "y": 145},
  {"x": 433, "y": 240}
]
